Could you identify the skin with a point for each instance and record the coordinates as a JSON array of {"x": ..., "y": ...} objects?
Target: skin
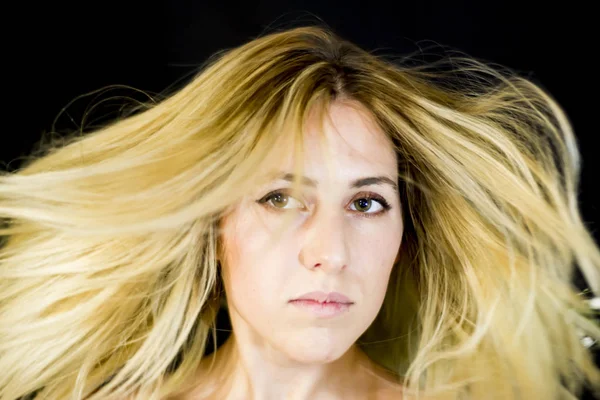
[{"x": 278, "y": 350}]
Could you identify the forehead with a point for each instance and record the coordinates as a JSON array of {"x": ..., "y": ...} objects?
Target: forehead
[{"x": 347, "y": 142}]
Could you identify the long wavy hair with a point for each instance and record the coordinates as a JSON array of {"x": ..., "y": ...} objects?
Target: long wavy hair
[{"x": 109, "y": 271}]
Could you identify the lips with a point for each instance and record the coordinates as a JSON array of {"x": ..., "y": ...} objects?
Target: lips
[{"x": 322, "y": 297}]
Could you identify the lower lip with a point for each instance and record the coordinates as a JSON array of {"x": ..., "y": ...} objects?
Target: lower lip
[{"x": 322, "y": 309}]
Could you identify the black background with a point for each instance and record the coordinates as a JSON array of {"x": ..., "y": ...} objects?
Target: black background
[{"x": 57, "y": 51}]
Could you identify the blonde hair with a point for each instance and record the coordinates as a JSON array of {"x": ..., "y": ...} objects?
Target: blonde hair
[{"x": 109, "y": 282}]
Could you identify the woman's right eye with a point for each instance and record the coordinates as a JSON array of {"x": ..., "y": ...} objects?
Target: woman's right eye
[{"x": 279, "y": 199}]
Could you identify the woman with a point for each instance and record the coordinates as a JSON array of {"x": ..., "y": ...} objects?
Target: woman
[{"x": 376, "y": 230}]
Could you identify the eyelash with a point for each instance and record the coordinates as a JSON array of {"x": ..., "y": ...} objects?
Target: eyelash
[{"x": 364, "y": 196}]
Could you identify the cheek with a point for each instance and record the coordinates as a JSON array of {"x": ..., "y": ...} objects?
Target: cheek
[
  {"x": 376, "y": 282},
  {"x": 378, "y": 256},
  {"x": 251, "y": 278}
]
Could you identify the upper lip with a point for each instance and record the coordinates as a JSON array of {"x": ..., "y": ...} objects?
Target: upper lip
[{"x": 322, "y": 297}]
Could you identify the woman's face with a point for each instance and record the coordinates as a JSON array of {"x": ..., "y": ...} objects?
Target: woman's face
[{"x": 340, "y": 241}]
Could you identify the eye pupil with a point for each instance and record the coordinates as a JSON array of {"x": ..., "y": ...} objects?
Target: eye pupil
[
  {"x": 280, "y": 198},
  {"x": 363, "y": 204}
]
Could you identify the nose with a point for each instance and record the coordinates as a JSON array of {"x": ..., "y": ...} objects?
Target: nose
[{"x": 324, "y": 245}]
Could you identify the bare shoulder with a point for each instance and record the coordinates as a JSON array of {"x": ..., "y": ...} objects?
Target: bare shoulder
[
  {"x": 390, "y": 389},
  {"x": 386, "y": 388},
  {"x": 388, "y": 394},
  {"x": 384, "y": 384}
]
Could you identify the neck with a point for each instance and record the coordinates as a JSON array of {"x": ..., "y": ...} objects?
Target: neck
[{"x": 263, "y": 373}]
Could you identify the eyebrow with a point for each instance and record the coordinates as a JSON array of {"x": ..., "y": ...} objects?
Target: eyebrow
[{"x": 370, "y": 180}]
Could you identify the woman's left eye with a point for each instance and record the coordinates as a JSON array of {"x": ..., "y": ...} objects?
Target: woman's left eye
[{"x": 365, "y": 203}]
